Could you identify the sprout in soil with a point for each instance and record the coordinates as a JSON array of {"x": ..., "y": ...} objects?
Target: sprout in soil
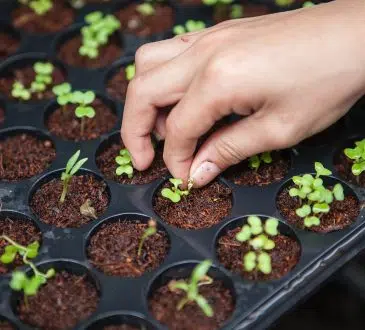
[
  {"x": 72, "y": 166},
  {"x": 315, "y": 199},
  {"x": 189, "y": 26},
  {"x": 174, "y": 194},
  {"x": 83, "y": 101},
  {"x": 97, "y": 32},
  {"x": 130, "y": 71},
  {"x": 20, "y": 92},
  {"x": 146, "y": 9},
  {"x": 150, "y": 231},
  {"x": 198, "y": 278},
  {"x": 20, "y": 281},
  {"x": 64, "y": 94},
  {"x": 255, "y": 161},
  {"x": 284, "y": 3},
  {"x": 236, "y": 11},
  {"x": 308, "y": 4},
  {"x": 40, "y": 7},
  {"x": 357, "y": 156},
  {"x": 257, "y": 235},
  {"x": 124, "y": 162}
]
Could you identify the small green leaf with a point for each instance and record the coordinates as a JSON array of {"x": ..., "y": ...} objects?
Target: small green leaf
[
  {"x": 266, "y": 157},
  {"x": 204, "y": 305},
  {"x": 354, "y": 153},
  {"x": 72, "y": 161},
  {"x": 125, "y": 169},
  {"x": 297, "y": 180},
  {"x": 254, "y": 162},
  {"x": 199, "y": 272},
  {"x": 307, "y": 180},
  {"x": 78, "y": 165},
  {"x": 33, "y": 250},
  {"x": 321, "y": 208},
  {"x": 293, "y": 192},
  {"x": 255, "y": 224},
  {"x": 303, "y": 211},
  {"x": 44, "y": 68},
  {"x": 244, "y": 235},
  {"x": 259, "y": 241},
  {"x": 169, "y": 194},
  {"x": 50, "y": 273},
  {"x": 264, "y": 263},
  {"x": 17, "y": 281},
  {"x": 130, "y": 71},
  {"x": 93, "y": 17},
  {"x": 62, "y": 89},
  {"x": 236, "y": 11},
  {"x": 269, "y": 245},
  {"x": 176, "y": 182},
  {"x": 321, "y": 170},
  {"x": 249, "y": 261},
  {"x": 271, "y": 226},
  {"x": 358, "y": 168},
  {"x": 8, "y": 257},
  {"x": 318, "y": 182},
  {"x": 315, "y": 196},
  {"x": 178, "y": 30},
  {"x": 146, "y": 9},
  {"x": 338, "y": 192},
  {"x": 311, "y": 221}
]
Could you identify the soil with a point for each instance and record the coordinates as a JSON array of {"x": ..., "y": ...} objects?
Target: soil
[
  {"x": 23, "y": 156},
  {"x": 8, "y": 45},
  {"x": 61, "y": 303},
  {"x": 26, "y": 76},
  {"x": 5, "y": 325},
  {"x": 108, "y": 54},
  {"x": 202, "y": 208},
  {"x": 24, "y": 232},
  {"x": 107, "y": 165},
  {"x": 45, "y": 201},
  {"x": 242, "y": 174},
  {"x": 65, "y": 124},
  {"x": 342, "y": 213},
  {"x": 343, "y": 166},
  {"x": 284, "y": 256},
  {"x": 117, "y": 85},
  {"x": 56, "y": 19},
  {"x": 120, "y": 327},
  {"x": 2, "y": 116},
  {"x": 121, "y": 240},
  {"x": 163, "y": 304},
  {"x": 144, "y": 26}
]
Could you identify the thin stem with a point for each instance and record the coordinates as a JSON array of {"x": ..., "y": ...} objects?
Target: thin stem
[
  {"x": 18, "y": 246},
  {"x": 207, "y": 280},
  {"x": 140, "y": 246},
  {"x": 182, "y": 303},
  {"x": 64, "y": 191},
  {"x": 82, "y": 126}
]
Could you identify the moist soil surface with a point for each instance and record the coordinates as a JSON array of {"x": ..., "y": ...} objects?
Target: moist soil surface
[
  {"x": 5, "y": 325},
  {"x": 121, "y": 239},
  {"x": 117, "y": 85},
  {"x": 23, "y": 156},
  {"x": 108, "y": 54},
  {"x": 46, "y": 201},
  {"x": 242, "y": 174},
  {"x": 342, "y": 213},
  {"x": 8, "y": 45},
  {"x": 140, "y": 25},
  {"x": 61, "y": 303},
  {"x": 26, "y": 76},
  {"x": 120, "y": 327},
  {"x": 249, "y": 10},
  {"x": 284, "y": 256},
  {"x": 163, "y": 302},
  {"x": 24, "y": 232},
  {"x": 56, "y": 19},
  {"x": 107, "y": 165},
  {"x": 343, "y": 166},
  {"x": 65, "y": 124},
  {"x": 202, "y": 208}
]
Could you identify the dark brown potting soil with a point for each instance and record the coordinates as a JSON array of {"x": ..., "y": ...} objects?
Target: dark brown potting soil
[
  {"x": 56, "y": 19},
  {"x": 202, "y": 208},
  {"x": 145, "y": 25},
  {"x": 46, "y": 201},
  {"x": 108, "y": 54},
  {"x": 342, "y": 213},
  {"x": 120, "y": 327},
  {"x": 61, "y": 303},
  {"x": 163, "y": 302},
  {"x": 8, "y": 45},
  {"x": 23, "y": 232},
  {"x": 107, "y": 165},
  {"x": 343, "y": 166},
  {"x": 23, "y": 156},
  {"x": 5, "y": 325},
  {"x": 284, "y": 256},
  {"x": 65, "y": 124},
  {"x": 121, "y": 239},
  {"x": 117, "y": 85},
  {"x": 242, "y": 174}
]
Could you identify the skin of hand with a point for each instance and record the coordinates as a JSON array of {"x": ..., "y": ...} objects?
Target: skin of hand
[{"x": 290, "y": 75}]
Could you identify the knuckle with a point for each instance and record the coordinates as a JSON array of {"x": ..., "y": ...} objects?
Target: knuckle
[
  {"x": 141, "y": 57},
  {"x": 228, "y": 151},
  {"x": 173, "y": 127}
]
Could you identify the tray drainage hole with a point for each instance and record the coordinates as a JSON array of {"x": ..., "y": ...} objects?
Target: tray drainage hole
[
  {"x": 284, "y": 255},
  {"x": 121, "y": 236},
  {"x": 120, "y": 321},
  {"x": 341, "y": 214},
  {"x": 70, "y": 296},
  {"x": 220, "y": 295},
  {"x": 85, "y": 189},
  {"x": 24, "y": 153},
  {"x": 110, "y": 149}
]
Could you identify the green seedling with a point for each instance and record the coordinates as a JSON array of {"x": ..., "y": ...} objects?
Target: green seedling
[
  {"x": 308, "y": 4},
  {"x": 72, "y": 166},
  {"x": 198, "y": 278},
  {"x": 83, "y": 110},
  {"x": 64, "y": 94},
  {"x": 255, "y": 162},
  {"x": 20, "y": 281},
  {"x": 257, "y": 235},
  {"x": 315, "y": 199},
  {"x": 236, "y": 11},
  {"x": 189, "y": 26},
  {"x": 284, "y": 3},
  {"x": 40, "y": 7},
  {"x": 357, "y": 156},
  {"x": 174, "y": 194},
  {"x": 146, "y": 9},
  {"x": 96, "y": 33},
  {"x": 130, "y": 71},
  {"x": 150, "y": 231},
  {"x": 124, "y": 162},
  {"x": 20, "y": 92}
]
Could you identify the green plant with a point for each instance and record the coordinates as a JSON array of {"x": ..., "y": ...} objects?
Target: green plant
[
  {"x": 20, "y": 281},
  {"x": 20, "y": 92},
  {"x": 255, "y": 161},
  {"x": 150, "y": 231},
  {"x": 314, "y": 198},
  {"x": 174, "y": 194},
  {"x": 257, "y": 235},
  {"x": 284, "y": 3},
  {"x": 130, "y": 71},
  {"x": 146, "y": 9},
  {"x": 83, "y": 101},
  {"x": 357, "y": 155},
  {"x": 40, "y": 7},
  {"x": 236, "y": 11},
  {"x": 72, "y": 166},
  {"x": 124, "y": 162},
  {"x": 308, "y": 4},
  {"x": 191, "y": 287},
  {"x": 63, "y": 93},
  {"x": 189, "y": 26},
  {"x": 97, "y": 32}
]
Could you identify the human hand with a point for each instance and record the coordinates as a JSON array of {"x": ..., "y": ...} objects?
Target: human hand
[{"x": 292, "y": 74}]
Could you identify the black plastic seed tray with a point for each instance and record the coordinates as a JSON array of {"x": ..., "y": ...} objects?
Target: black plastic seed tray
[{"x": 125, "y": 299}]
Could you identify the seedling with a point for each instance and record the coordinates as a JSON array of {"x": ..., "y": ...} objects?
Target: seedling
[
  {"x": 314, "y": 198},
  {"x": 189, "y": 26},
  {"x": 284, "y": 3},
  {"x": 357, "y": 155},
  {"x": 83, "y": 110},
  {"x": 198, "y": 278},
  {"x": 257, "y": 235},
  {"x": 150, "y": 231},
  {"x": 124, "y": 162},
  {"x": 255, "y": 161},
  {"x": 174, "y": 194},
  {"x": 236, "y": 11},
  {"x": 97, "y": 32},
  {"x": 72, "y": 166},
  {"x": 64, "y": 94},
  {"x": 146, "y": 9},
  {"x": 130, "y": 71},
  {"x": 20, "y": 281},
  {"x": 20, "y": 92},
  {"x": 40, "y": 7},
  {"x": 308, "y": 4}
]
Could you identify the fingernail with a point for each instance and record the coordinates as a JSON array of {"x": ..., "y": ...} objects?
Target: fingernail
[{"x": 205, "y": 173}]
